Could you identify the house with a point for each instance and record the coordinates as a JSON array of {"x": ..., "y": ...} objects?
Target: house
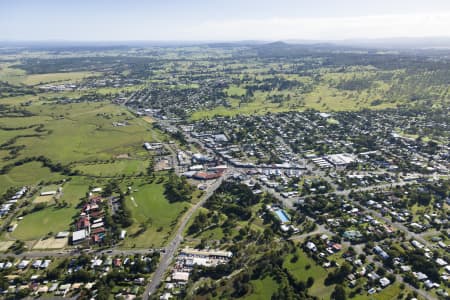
[
  {"x": 37, "y": 264},
  {"x": 417, "y": 244},
  {"x": 220, "y": 138},
  {"x": 441, "y": 262},
  {"x": 53, "y": 288},
  {"x": 45, "y": 264},
  {"x": 23, "y": 264},
  {"x": 380, "y": 252},
  {"x": 420, "y": 276},
  {"x": 117, "y": 262},
  {"x": 430, "y": 284},
  {"x": 147, "y": 146},
  {"x": 311, "y": 246},
  {"x": 384, "y": 282},
  {"x": 96, "y": 263}
]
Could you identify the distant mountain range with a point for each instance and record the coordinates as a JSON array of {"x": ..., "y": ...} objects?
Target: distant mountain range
[{"x": 401, "y": 43}]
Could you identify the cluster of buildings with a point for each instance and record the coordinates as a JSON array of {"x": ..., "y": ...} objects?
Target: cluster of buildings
[
  {"x": 63, "y": 87},
  {"x": 295, "y": 138},
  {"x": 32, "y": 275},
  {"x": 335, "y": 160},
  {"x": 186, "y": 260},
  {"x": 387, "y": 203},
  {"x": 6, "y": 207},
  {"x": 90, "y": 224},
  {"x": 108, "y": 79}
]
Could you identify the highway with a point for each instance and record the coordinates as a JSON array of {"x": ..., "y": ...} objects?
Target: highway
[{"x": 171, "y": 249}]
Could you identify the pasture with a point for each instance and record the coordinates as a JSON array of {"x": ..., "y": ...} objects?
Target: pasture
[
  {"x": 113, "y": 168},
  {"x": 79, "y": 132},
  {"x": 18, "y": 76}
]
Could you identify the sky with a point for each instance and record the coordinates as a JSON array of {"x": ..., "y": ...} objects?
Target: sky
[{"x": 224, "y": 20}]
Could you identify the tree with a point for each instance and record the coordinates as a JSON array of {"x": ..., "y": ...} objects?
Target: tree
[
  {"x": 310, "y": 282},
  {"x": 338, "y": 293}
]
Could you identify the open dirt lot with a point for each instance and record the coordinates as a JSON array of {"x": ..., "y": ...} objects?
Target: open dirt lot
[
  {"x": 5, "y": 245},
  {"x": 50, "y": 243},
  {"x": 43, "y": 199}
]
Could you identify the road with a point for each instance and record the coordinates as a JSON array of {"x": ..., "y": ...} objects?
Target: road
[
  {"x": 76, "y": 252},
  {"x": 171, "y": 249}
]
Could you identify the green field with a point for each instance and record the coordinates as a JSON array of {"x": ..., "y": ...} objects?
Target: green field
[
  {"x": 18, "y": 76},
  {"x": 81, "y": 136},
  {"x": 27, "y": 174},
  {"x": 262, "y": 289},
  {"x": 80, "y": 132},
  {"x": 323, "y": 98},
  {"x": 300, "y": 271},
  {"x": 150, "y": 206},
  {"x": 116, "y": 168},
  {"x": 389, "y": 293},
  {"x": 38, "y": 224}
]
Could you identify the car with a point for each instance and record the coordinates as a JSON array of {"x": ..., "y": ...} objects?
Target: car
[{"x": 372, "y": 291}]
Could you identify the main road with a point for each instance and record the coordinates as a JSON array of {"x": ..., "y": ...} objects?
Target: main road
[{"x": 171, "y": 249}]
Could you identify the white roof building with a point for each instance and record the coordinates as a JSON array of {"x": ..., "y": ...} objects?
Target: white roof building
[
  {"x": 385, "y": 282},
  {"x": 180, "y": 276},
  {"x": 79, "y": 236}
]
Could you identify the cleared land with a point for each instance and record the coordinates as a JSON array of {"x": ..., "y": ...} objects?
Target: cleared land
[
  {"x": 82, "y": 137},
  {"x": 18, "y": 76},
  {"x": 5, "y": 245},
  {"x": 43, "y": 199},
  {"x": 50, "y": 243}
]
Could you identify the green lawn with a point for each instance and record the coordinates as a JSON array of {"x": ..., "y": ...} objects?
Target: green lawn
[
  {"x": 389, "y": 293},
  {"x": 51, "y": 219},
  {"x": 301, "y": 272},
  {"x": 150, "y": 205},
  {"x": 38, "y": 224},
  {"x": 74, "y": 190},
  {"x": 262, "y": 289}
]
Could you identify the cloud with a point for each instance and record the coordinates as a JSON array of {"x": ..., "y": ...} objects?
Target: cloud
[{"x": 325, "y": 28}]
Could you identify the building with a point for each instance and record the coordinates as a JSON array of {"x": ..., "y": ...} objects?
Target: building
[{"x": 79, "y": 236}]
